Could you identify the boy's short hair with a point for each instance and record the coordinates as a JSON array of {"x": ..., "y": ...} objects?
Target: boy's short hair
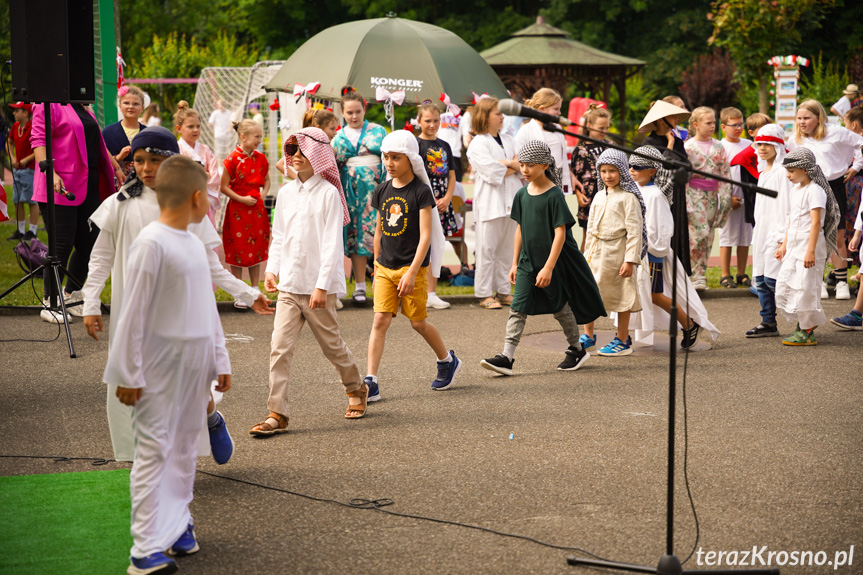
[
  {"x": 757, "y": 121},
  {"x": 177, "y": 179},
  {"x": 729, "y": 113}
]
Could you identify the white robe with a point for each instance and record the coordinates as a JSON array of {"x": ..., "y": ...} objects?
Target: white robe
[
  {"x": 493, "y": 190},
  {"x": 660, "y": 228},
  {"x": 771, "y": 215},
  {"x": 168, "y": 341},
  {"x": 119, "y": 224},
  {"x": 798, "y": 289}
]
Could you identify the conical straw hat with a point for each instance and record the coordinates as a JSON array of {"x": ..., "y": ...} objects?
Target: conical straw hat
[{"x": 662, "y": 110}]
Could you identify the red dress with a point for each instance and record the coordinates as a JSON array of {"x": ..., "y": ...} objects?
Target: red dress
[{"x": 246, "y": 229}]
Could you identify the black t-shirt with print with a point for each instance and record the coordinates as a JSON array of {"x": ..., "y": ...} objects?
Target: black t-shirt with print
[{"x": 400, "y": 221}]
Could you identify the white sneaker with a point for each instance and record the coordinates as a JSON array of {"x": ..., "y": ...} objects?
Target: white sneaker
[
  {"x": 54, "y": 316},
  {"x": 824, "y": 294},
  {"x": 435, "y": 302},
  {"x": 240, "y": 305},
  {"x": 74, "y": 297},
  {"x": 700, "y": 284},
  {"x": 842, "y": 291},
  {"x": 339, "y": 304}
]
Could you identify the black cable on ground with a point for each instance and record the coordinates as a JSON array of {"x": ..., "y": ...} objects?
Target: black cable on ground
[{"x": 356, "y": 503}]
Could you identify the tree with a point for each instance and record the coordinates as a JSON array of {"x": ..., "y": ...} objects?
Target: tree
[
  {"x": 753, "y": 31},
  {"x": 175, "y": 56},
  {"x": 710, "y": 81}
]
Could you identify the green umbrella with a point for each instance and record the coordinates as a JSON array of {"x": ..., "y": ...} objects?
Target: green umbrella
[{"x": 391, "y": 53}]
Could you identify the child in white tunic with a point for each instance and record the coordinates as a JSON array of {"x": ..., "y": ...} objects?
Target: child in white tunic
[
  {"x": 656, "y": 273},
  {"x": 120, "y": 219},
  {"x": 615, "y": 245},
  {"x": 771, "y": 215},
  {"x": 168, "y": 347},
  {"x": 492, "y": 155},
  {"x": 806, "y": 247}
]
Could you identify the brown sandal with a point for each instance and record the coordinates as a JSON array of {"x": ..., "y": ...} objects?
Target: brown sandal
[
  {"x": 358, "y": 408},
  {"x": 264, "y": 428}
]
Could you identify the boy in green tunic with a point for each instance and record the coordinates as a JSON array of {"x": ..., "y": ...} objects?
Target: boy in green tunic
[{"x": 548, "y": 270}]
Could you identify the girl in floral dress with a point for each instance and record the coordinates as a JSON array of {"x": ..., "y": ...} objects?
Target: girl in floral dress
[
  {"x": 358, "y": 153},
  {"x": 583, "y": 162},
  {"x": 246, "y": 229},
  {"x": 708, "y": 202}
]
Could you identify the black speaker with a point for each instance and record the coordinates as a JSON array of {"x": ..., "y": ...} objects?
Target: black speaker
[{"x": 52, "y": 51}]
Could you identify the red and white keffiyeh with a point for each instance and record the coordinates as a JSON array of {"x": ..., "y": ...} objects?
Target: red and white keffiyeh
[{"x": 316, "y": 147}]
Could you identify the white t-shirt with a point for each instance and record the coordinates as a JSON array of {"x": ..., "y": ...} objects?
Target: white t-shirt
[
  {"x": 803, "y": 201},
  {"x": 842, "y": 106},
  {"x": 221, "y": 120}
]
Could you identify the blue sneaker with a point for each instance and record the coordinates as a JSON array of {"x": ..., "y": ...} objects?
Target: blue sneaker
[
  {"x": 221, "y": 443},
  {"x": 586, "y": 341},
  {"x": 374, "y": 390},
  {"x": 446, "y": 372},
  {"x": 617, "y": 347},
  {"x": 186, "y": 544},
  {"x": 155, "y": 563},
  {"x": 852, "y": 321}
]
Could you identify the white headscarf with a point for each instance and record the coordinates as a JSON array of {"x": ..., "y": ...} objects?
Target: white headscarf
[
  {"x": 774, "y": 135},
  {"x": 403, "y": 142}
]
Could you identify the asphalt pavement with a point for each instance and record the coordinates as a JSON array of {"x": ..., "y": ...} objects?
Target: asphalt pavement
[{"x": 574, "y": 459}]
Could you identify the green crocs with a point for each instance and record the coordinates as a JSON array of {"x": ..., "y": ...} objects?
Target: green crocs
[{"x": 801, "y": 337}]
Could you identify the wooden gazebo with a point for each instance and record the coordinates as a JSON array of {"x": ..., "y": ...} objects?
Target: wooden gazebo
[{"x": 544, "y": 56}]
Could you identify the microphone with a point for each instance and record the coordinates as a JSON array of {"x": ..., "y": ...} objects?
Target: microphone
[
  {"x": 66, "y": 194},
  {"x": 513, "y": 108}
]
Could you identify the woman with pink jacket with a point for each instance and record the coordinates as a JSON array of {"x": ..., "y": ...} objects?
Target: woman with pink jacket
[{"x": 83, "y": 167}]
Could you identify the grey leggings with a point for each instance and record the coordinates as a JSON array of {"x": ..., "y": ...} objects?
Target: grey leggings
[{"x": 565, "y": 317}]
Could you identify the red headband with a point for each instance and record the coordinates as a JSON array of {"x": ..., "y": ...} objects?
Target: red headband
[{"x": 772, "y": 139}]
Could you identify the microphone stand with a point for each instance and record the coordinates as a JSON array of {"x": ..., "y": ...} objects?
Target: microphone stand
[
  {"x": 669, "y": 564},
  {"x": 51, "y": 268}
]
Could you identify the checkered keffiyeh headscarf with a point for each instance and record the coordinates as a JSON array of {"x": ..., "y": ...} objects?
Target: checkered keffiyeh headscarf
[
  {"x": 315, "y": 146},
  {"x": 662, "y": 179},
  {"x": 804, "y": 159},
  {"x": 536, "y": 152},
  {"x": 618, "y": 160}
]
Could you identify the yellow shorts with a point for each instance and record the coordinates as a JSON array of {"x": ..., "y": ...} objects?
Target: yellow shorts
[{"x": 387, "y": 293}]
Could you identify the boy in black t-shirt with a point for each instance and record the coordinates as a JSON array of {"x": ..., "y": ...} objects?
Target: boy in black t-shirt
[{"x": 403, "y": 238}]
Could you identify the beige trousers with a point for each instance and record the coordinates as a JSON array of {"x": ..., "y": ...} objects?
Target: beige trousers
[{"x": 292, "y": 311}]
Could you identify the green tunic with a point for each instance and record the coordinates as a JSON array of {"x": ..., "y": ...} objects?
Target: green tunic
[{"x": 572, "y": 281}]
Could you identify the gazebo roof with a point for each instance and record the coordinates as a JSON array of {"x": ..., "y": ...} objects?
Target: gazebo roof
[{"x": 543, "y": 45}]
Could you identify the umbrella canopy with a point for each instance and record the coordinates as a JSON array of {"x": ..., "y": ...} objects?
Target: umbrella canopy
[{"x": 392, "y": 53}]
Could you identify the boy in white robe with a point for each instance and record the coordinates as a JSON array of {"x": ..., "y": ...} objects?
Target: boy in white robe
[
  {"x": 120, "y": 219},
  {"x": 771, "y": 215},
  {"x": 168, "y": 347},
  {"x": 655, "y": 275}
]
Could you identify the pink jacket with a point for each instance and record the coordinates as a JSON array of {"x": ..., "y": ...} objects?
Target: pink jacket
[{"x": 69, "y": 151}]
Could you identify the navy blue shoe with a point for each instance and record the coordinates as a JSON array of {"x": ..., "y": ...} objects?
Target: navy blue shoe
[
  {"x": 374, "y": 390},
  {"x": 221, "y": 443},
  {"x": 186, "y": 544},
  {"x": 155, "y": 563},
  {"x": 446, "y": 372}
]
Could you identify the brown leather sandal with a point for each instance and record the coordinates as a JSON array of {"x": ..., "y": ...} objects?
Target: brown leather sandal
[
  {"x": 358, "y": 408},
  {"x": 264, "y": 428}
]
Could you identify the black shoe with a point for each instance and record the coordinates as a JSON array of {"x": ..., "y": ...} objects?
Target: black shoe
[
  {"x": 16, "y": 236},
  {"x": 690, "y": 336},
  {"x": 499, "y": 363},
  {"x": 574, "y": 359},
  {"x": 763, "y": 330},
  {"x": 29, "y": 236}
]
